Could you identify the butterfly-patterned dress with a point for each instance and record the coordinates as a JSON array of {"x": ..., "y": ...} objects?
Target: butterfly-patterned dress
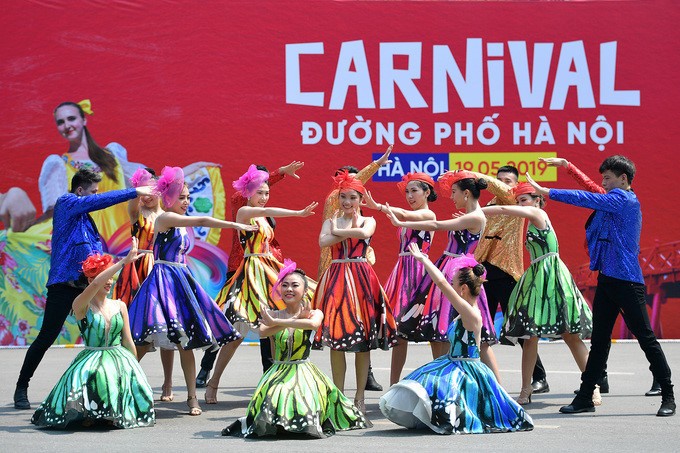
[
  {"x": 429, "y": 313},
  {"x": 454, "y": 394},
  {"x": 295, "y": 396},
  {"x": 104, "y": 382},
  {"x": 133, "y": 274},
  {"x": 253, "y": 280},
  {"x": 171, "y": 307},
  {"x": 357, "y": 317},
  {"x": 403, "y": 280},
  {"x": 545, "y": 302}
]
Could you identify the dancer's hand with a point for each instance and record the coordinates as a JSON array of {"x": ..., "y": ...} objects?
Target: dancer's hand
[
  {"x": 291, "y": 168},
  {"x": 554, "y": 161},
  {"x": 416, "y": 253},
  {"x": 309, "y": 210},
  {"x": 392, "y": 216},
  {"x": 266, "y": 315},
  {"x": 385, "y": 158},
  {"x": 133, "y": 254},
  {"x": 539, "y": 189},
  {"x": 369, "y": 202}
]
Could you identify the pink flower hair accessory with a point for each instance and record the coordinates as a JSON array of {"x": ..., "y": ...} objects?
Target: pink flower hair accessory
[
  {"x": 169, "y": 185},
  {"x": 141, "y": 178},
  {"x": 250, "y": 181},
  {"x": 289, "y": 267}
]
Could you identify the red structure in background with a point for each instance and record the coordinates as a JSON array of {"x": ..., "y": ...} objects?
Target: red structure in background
[{"x": 661, "y": 270}]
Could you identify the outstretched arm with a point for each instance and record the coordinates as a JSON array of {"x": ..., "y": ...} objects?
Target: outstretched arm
[
  {"x": 246, "y": 213},
  {"x": 168, "y": 220},
  {"x": 580, "y": 177},
  {"x": 459, "y": 223},
  {"x": 535, "y": 215},
  {"x": 365, "y": 173}
]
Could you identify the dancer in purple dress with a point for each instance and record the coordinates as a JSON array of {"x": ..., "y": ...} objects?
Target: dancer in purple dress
[
  {"x": 429, "y": 313},
  {"x": 170, "y": 306},
  {"x": 407, "y": 273}
]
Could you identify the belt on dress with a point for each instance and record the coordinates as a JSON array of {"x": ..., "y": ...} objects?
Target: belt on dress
[
  {"x": 170, "y": 263},
  {"x": 267, "y": 254},
  {"x": 542, "y": 257},
  {"x": 350, "y": 260},
  {"x": 464, "y": 359},
  {"x": 102, "y": 348},
  {"x": 455, "y": 255},
  {"x": 144, "y": 251},
  {"x": 290, "y": 362}
]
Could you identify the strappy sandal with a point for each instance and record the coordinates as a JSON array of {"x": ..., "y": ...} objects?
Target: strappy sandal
[
  {"x": 524, "y": 397},
  {"x": 210, "y": 399},
  {"x": 361, "y": 405},
  {"x": 166, "y": 395},
  {"x": 194, "y": 408}
]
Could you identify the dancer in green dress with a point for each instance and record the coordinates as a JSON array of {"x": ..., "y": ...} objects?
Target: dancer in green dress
[
  {"x": 294, "y": 395},
  {"x": 545, "y": 303},
  {"x": 104, "y": 382}
]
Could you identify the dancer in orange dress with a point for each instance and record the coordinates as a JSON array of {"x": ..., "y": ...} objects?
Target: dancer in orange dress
[{"x": 357, "y": 317}]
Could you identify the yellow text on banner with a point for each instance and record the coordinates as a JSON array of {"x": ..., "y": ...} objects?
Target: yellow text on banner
[{"x": 489, "y": 163}]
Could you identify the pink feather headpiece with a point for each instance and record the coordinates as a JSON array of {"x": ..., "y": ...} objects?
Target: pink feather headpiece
[
  {"x": 141, "y": 178},
  {"x": 169, "y": 185},
  {"x": 289, "y": 266},
  {"x": 460, "y": 262},
  {"x": 250, "y": 181}
]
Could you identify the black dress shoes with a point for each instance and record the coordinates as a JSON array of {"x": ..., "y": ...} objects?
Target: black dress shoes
[
  {"x": 577, "y": 406},
  {"x": 21, "y": 398},
  {"x": 202, "y": 378},
  {"x": 667, "y": 407},
  {"x": 655, "y": 390},
  {"x": 372, "y": 384},
  {"x": 540, "y": 386}
]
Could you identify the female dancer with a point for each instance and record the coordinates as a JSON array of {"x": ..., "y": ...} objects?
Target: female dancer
[
  {"x": 104, "y": 382},
  {"x": 455, "y": 393},
  {"x": 546, "y": 302},
  {"x": 143, "y": 213},
  {"x": 294, "y": 395},
  {"x": 356, "y": 315},
  {"x": 428, "y": 314},
  {"x": 170, "y": 305},
  {"x": 407, "y": 273},
  {"x": 252, "y": 282}
]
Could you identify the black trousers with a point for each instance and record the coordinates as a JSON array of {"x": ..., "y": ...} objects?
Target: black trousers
[
  {"x": 498, "y": 288},
  {"x": 57, "y": 307},
  {"x": 614, "y": 296},
  {"x": 208, "y": 360}
]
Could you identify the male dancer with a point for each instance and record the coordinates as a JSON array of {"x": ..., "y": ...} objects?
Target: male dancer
[
  {"x": 613, "y": 235},
  {"x": 235, "y": 258},
  {"x": 500, "y": 251},
  {"x": 74, "y": 238},
  {"x": 330, "y": 207}
]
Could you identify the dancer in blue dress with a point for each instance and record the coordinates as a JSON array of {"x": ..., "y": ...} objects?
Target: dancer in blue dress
[
  {"x": 170, "y": 306},
  {"x": 456, "y": 393}
]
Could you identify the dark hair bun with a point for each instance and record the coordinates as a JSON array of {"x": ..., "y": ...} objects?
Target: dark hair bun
[
  {"x": 478, "y": 270},
  {"x": 481, "y": 184}
]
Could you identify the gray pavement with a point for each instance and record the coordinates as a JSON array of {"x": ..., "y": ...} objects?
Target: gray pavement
[{"x": 625, "y": 422}]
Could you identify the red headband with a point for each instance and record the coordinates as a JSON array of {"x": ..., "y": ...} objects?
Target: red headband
[
  {"x": 96, "y": 264},
  {"x": 417, "y": 176},
  {"x": 344, "y": 181},
  {"x": 448, "y": 179},
  {"x": 523, "y": 188}
]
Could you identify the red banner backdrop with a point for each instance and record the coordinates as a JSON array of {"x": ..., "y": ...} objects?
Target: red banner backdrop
[{"x": 451, "y": 84}]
